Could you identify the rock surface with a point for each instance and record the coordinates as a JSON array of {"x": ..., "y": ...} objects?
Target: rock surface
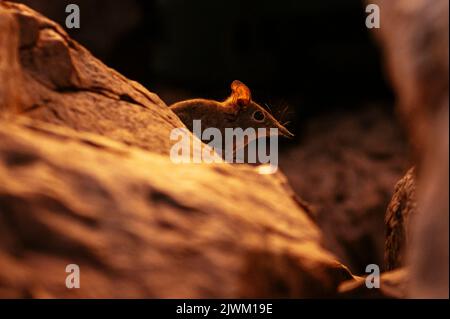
[
  {"x": 86, "y": 181},
  {"x": 414, "y": 35},
  {"x": 64, "y": 84},
  {"x": 393, "y": 284},
  {"x": 403, "y": 205},
  {"x": 10, "y": 74},
  {"x": 140, "y": 226}
]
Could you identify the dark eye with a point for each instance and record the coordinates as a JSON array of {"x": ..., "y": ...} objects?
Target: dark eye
[{"x": 258, "y": 116}]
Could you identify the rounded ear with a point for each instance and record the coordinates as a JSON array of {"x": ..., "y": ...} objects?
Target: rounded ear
[{"x": 240, "y": 93}]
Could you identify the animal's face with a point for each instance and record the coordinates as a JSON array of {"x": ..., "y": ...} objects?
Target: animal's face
[{"x": 246, "y": 113}]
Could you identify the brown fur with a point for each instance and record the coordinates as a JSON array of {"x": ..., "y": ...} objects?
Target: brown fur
[{"x": 237, "y": 111}]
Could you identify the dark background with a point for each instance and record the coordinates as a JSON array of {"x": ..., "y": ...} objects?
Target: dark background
[
  {"x": 314, "y": 55},
  {"x": 316, "y": 59}
]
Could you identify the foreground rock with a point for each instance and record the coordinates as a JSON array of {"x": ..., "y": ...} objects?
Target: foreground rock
[
  {"x": 414, "y": 35},
  {"x": 140, "y": 226},
  {"x": 86, "y": 181}
]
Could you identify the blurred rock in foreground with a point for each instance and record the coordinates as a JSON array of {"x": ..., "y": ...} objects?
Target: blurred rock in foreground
[
  {"x": 414, "y": 35},
  {"x": 85, "y": 180},
  {"x": 140, "y": 226}
]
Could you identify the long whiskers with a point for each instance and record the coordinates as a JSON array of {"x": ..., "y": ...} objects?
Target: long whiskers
[{"x": 283, "y": 113}]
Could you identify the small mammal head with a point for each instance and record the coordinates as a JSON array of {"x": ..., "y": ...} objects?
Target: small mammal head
[
  {"x": 246, "y": 119},
  {"x": 237, "y": 111},
  {"x": 245, "y": 113}
]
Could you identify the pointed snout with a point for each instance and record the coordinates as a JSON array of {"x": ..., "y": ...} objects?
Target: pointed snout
[
  {"x": 281, "y": 131},
  {"x": 285, "y": 132}
]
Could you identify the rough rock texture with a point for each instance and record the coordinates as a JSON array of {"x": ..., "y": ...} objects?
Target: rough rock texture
[
  {"x": 354, "y": 165},
  {"x": 414, "y": 35},
  {"x": 9, "y": 64},
  {"x": 64, "y": 84},
  {"x": 85, "y": 180},
  {"x": 403, "y": 205},
  {"x": 139, "y": 225}
]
